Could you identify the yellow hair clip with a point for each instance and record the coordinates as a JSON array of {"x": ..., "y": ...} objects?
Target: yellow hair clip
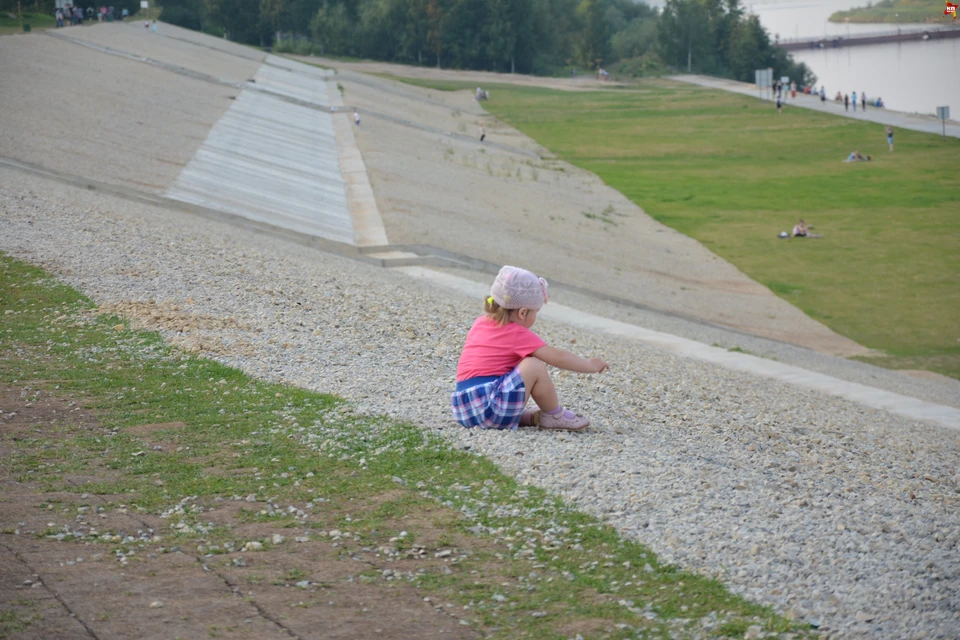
[{"x": 490, "y": 300}]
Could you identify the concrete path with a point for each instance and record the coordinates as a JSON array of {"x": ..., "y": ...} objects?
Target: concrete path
[
  {"x": 862, "y": 394},
  {"x": 896, "y": 119},
  {"x": 273, "y": 162}
]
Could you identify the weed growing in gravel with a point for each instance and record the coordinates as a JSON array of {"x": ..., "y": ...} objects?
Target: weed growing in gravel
[{"x": 212, "y": 453}]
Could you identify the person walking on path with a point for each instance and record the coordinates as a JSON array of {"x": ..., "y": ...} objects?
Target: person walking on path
[
  {"x": 483, "y": 133},
  {"x": 503, "y": 363},
  {"x": 863, "y": 100},
  {"x": 853, "y": 99},
  {"x": 356, "y": 118},
  {"x": 890, "y": 137},
  {"x": 846, "y": 102},
  {"x": 779, "y": 105},
  {"x": 823, "y": 95}
]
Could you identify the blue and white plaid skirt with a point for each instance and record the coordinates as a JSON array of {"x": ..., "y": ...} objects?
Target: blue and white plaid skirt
[{"x": 496, "y": 404}]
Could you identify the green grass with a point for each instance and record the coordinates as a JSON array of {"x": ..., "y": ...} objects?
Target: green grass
[
  {"x": 726, "y": 170},
  {"x": 894, "y": 11},
  {"x": 240, "y": 435},
  {"x": 36, "y": 21}
]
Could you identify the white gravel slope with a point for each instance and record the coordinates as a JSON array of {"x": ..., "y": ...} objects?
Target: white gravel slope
[{"x": 815, "y": 505}]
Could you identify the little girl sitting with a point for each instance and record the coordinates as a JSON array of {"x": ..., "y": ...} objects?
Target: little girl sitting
[{"x": 504, "y": 363}]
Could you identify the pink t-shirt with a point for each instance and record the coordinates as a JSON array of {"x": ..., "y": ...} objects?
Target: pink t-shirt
[{"x": 492, "y": 350}]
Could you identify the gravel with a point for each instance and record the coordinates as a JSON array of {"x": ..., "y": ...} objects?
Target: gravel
[{"x": 828, "y": 511}]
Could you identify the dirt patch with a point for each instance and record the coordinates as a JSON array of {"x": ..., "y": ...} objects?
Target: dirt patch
[
  {"x": 149, "y": 429},
  {"x": 60, "y": 547},
  {"x": 166, "y": 316}
]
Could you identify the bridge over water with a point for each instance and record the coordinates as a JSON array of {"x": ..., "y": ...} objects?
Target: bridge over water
[{"x": 916, "y": 34}]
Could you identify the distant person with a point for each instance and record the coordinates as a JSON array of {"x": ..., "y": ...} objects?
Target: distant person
[
  {"x": 124, "y": 14},
  {"x": 846, "y": 102},
  {"x": 800, "y": 230},
  {"x": 890, "y": 137},
  {"x": 823, "y": 95},
  {"x": 356, "y": 118},
  {"x": 793, "y": 90},
  {"x": 483, "y": 133},
  {"x": 59, "y": 16},
  {"x": 863, "y": 101},
  {"x": 857, "y": 157},
  {"x": 146, "y": 25},
  {"x": 853, "y": 99},
  {"x": 779, "y": 105},
  {"x": 878, "y": 103},
  {"x": 153, "y": 27},
  {"x": 838, "y": 97}
]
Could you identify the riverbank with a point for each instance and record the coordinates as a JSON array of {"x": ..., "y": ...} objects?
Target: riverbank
[{"x": 894, "y": 12}]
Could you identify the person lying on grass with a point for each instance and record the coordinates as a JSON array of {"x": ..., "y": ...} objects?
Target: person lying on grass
[
  {"x": 857, "y": 157},
  {"x": 504, "y": 364}
]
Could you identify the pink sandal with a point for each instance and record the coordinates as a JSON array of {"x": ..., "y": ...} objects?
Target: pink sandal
[{"x": 560, "y": 423}]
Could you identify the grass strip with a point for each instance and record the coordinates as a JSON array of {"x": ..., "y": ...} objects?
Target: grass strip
[
  {"x": 10, "y": 25},
  {"x": 517, "y": 561}
]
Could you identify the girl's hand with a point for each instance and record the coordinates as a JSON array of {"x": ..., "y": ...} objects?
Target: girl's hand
[{"x": 599, "y": 366}]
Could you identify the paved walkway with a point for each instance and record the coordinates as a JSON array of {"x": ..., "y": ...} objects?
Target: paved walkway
[{"x": 896, "y": 119}]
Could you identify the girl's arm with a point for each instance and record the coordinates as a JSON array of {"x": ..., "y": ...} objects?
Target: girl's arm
[{"x": 563, "y": 359}]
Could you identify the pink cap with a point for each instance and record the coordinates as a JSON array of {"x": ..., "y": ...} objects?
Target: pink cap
[{"x": 517, "y": 288}]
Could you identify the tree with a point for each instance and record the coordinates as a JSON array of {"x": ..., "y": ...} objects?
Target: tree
[
  {"x": 272, "y": 15},
  {"x": 594, "y": 43},
  {"x": 634, "y": 40},
  {"x": 240, "y": 19},
  {"x": 332, "y": 28},
  {"x": 683, "y": 35},
  {"x": 508, "y": 34},
  {"x": 748, "y": 49},
  {"x": 434, "y": 21}
]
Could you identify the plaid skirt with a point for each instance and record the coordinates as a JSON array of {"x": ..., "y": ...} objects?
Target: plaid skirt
[{"x": 493, "y": 405}]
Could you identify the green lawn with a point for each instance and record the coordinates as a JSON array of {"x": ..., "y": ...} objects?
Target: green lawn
[
  {"x": 10, "y": 25},
  {"x": 727, "y": 170}
]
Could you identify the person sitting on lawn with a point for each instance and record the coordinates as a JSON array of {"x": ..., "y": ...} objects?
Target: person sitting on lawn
[{"x": 800, "y": 230}]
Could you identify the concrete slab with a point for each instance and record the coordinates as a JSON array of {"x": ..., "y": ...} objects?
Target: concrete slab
[
  {"x": 869, "y": 396},
  {"x": 272, "y": 161},
  {"x": 368, "y": 229},
  {"x": 144, "y": 43}
]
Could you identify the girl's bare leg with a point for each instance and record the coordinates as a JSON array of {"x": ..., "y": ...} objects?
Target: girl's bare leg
[{"x": 537, "y": 381}]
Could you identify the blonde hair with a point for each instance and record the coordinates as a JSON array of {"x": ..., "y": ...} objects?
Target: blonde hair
[{"x": 497, "y": 313}]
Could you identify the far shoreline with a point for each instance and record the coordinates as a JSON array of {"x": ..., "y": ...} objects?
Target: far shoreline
[{"x": 894, "y": 12}]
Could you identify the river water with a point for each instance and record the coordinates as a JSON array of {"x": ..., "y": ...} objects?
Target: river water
[{"x": 909, "y": 76}]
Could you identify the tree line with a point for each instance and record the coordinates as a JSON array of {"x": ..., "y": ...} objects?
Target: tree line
[{"x": 544, "y": 37}]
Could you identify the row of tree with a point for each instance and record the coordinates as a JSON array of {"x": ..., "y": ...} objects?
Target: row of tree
[
  {"x": 717, "y": 37},
  {"x": 529, "y": 36},
  {"x": 50, "y": 6}
]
